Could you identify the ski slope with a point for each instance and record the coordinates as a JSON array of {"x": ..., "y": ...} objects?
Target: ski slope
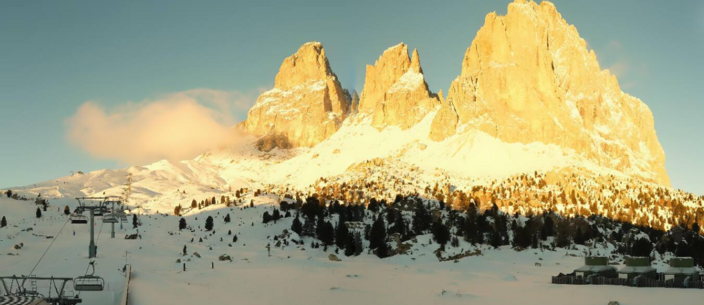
[{"x": 292, "y": 275}]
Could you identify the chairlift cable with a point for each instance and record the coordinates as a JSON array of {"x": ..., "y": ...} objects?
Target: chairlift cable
[
  {"x": 47, "y": 249},
  {"x": 89, "y": 264}
]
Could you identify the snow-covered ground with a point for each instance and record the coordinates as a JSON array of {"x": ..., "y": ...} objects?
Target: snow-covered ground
[{"x": 292, "y": 275}]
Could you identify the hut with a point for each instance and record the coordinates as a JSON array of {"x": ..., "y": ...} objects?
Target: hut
[
  {"x": 596, "y": 266},
  {"x": 681, "y": 268},
  {"x": 637, "y": 267}
]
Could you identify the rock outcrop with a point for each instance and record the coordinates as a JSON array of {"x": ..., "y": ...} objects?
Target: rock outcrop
[
  {"x": 395, "y": 92},
  {"x": 306, "y": 106},
  {"x": 529, "y": 77}
]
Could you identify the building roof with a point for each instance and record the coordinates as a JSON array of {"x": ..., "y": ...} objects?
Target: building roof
[
  {"x": 596, "y": 260},
  {"x": 636, "y": 269},
  {"x": 677, "y": 270},
  {"x": 594, "y": 268},
  {"x": 682, "y": 262},
  {"x": 635, "y": 261}
]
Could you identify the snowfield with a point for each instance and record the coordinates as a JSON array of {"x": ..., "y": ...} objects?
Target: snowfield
[
  {"x": 296, "y": 274},
  {"x": 357, "y": 163}
]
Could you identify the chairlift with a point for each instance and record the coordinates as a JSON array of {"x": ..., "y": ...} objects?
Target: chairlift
[
  {"x": 79, "y": 219},
  {"x": 89, "y": 282},
  {"x": 110, "y": 218}
]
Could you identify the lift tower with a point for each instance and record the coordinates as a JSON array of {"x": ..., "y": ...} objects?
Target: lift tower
[{"x": 92, "y": 205}]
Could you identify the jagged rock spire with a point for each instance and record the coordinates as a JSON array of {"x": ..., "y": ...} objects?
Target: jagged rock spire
[
  {"x": 395, "y": 92},
  {"x": 306, "y": 106},
  {"x": 529, "y": 77}
]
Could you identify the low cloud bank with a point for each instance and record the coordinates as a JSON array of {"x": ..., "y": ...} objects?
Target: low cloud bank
[{"x": 176, "y": 126}]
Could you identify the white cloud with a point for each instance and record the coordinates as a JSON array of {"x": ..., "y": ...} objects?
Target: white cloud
[{"x": 175, "y": 126}]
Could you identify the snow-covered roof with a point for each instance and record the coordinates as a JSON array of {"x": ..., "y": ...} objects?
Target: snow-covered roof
[
  {"x": 676, "y": 270},
  {"x": 637, "y": 269},
  {"x": 597, "y": 268}
]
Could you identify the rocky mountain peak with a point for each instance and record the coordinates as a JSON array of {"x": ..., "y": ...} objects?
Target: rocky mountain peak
[
  {"x": 306, "y": 105},
  {"x": 529, "y": 77},
  {"x": 308, "y": 64},
  {"x": 415, "y": 62},
  {"x": 395, "y": 92}
]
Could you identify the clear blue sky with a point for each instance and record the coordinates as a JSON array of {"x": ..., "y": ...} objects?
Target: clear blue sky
[{"x": 56, "y": 55}]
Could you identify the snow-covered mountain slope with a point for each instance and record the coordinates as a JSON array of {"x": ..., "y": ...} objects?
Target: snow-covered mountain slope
[
  {"x": 328, "y": 145},
  {"x": 295, "y": 273}
]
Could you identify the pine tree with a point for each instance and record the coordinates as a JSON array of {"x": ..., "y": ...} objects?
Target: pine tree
[
  {"x": 194, "y": 204},
  {"x": 227, "y": 218},
  {"x": 377, "y": 235},
  {"x": 579, "y": 237},
  {"x": 562, "y": 234},
  {"x": 382, "y": 250},
  {"x": 134, "y": 221},
  {"x": 471, "y": 229},
  {"x": 495, "y": 239},
  {"x": 234, "y": 239},
  {"x": 297, "y": 226},
  {"x": 327, "y": 234},
  {"x": 341, "y": 235},
  {"x": 400, "y": 226},
  {"x": 39, "y": 213},
  {"x": 319, "y": 228},
  {"x": 181, "y": 224},
  {"x": 548, "y": 228},
  {"x": 455, "y": 242},
  {"x": 185, "y": 250},
  {"x": 421, "y": 219},
  {"x": 276, "y": 216},
  {"x": 349, "y": 245},
  {"x": 521, "y": 237},
  {"x": 641, "y": 247},
  {"x": 309, "y": 227},
  {"x": 209, "y": 223},
  {"x": 441, "y": 234},
  {"x": 266, "y": 217},
  {"x": 67, "y": 211},
  {"x": 3, "y": 222}
]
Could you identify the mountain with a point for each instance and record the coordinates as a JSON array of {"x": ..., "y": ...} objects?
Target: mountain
[
  {"x": 529, "y": 77},
  {"x": 395, "y": 92},
  {"x": 306, "y": 105},
  {"x": 528, "y": 86},
  {"x": 530, "y": 108}
]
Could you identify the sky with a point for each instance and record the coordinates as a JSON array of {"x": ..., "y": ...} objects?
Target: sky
[{"x": 65, "y": 65}]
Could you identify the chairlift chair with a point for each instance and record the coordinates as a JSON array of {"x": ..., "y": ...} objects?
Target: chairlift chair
[
  {"x": 79, "y": 219},
  {"x": 88, "y": 283},
  {"x": 110, "y": 218}
]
